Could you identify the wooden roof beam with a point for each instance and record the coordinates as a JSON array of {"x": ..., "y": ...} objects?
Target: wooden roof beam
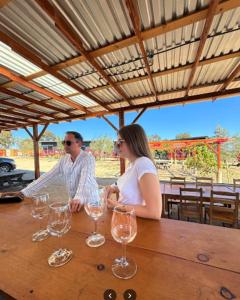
[
  {"x": 196, "y": 16},
  {"x": 25, "y": 52},
  {"x": 16, "y": 113},
  {"x": 172, "y": 70},
  {"x": 66, "y": 29},
  {"x": 230, "y": 79},
  {"x": 183, "y": 100},
  {"x": 25, "y": 108},
  {"x": 4, "y": 71},
  {"x": 33, "y": 101},
  {"x": 209, "y": 19},
  {"x": 134, "y": 16}
]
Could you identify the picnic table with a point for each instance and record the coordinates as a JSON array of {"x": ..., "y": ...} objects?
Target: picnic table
[
  {"x": 162, "y": 163},
  {"x": 10, "y": 179},
  {"x": 176, "y": 260}
]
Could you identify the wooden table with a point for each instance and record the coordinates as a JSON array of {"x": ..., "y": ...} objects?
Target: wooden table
[
  {"x": 176, "y": 260},
  {"x": 173, "y": 191}
]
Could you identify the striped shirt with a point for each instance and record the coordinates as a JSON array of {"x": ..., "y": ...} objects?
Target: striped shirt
[{"x": 79, "y": 177}]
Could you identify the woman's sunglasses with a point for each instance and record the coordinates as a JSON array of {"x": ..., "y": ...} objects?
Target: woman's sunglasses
[
  {"x": 68, "y": 143},
  {"x": 120, "y": 142}
]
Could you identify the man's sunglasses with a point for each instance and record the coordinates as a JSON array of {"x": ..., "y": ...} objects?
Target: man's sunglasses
[{"x": 68, "y": 143}]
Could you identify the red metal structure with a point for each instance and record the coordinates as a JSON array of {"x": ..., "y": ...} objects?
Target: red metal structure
[{"x": 176, "y": 146}]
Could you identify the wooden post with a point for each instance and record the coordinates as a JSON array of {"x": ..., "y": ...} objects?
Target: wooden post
[
  {"x": 121, "y": 124},
  {"x": 219, "y": 171},
  {"x": 36, "y": 151}
]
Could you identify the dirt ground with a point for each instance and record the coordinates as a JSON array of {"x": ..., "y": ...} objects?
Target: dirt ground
[{"x": 109, "y": 169}]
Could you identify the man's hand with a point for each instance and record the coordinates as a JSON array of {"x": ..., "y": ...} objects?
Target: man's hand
[{"x": 75, "y": 205}]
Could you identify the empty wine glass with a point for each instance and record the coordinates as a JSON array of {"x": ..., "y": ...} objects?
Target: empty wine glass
[
  {"x": 59, "y": 223},
  {"x": 39, "y": 211},
  {"x": 124, "y": 230},
  {"x": 95, "y": 208}
]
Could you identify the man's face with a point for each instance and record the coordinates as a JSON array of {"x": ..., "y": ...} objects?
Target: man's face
[{"x": 71, "y": 145}]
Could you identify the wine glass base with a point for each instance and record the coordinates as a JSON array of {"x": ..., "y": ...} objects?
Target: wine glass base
[
  {"x": 124, "y": 269},
  {"x": 60, "y": 257},
  {"x": 95, "y": 240},
  {"x": 40, "y": 235}
]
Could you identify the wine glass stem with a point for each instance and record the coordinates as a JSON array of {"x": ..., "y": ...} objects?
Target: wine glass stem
[
  {"x": 95, "y": 227},
  {"x": 124, "y": 251}
]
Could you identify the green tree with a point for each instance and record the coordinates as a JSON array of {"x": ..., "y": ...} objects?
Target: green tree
[
  {"x": 181, "y": 136},
  {"x": 6, "y": 139},
  {"x": 103, "y": 146},
  {"x": 202, "y": 159},
  {"x": 220, "y": 132},
  {"x": 25, "y": 145},
  {"x": 48, "y": 136}
]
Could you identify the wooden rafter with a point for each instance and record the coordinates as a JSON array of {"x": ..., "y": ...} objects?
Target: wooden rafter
[
  {"x": 34, "y": 101},
  {"x": 26, "y": 116},
  {"x": 134, "y": 15},
  {"x": 230, "y": 79},
  {"x": 25, "y": 108},
  {"x": 163, "y": 103},
  {"x": 25, "y": 52},
  {"x": 209, "y": 19},
  {"x": 4, "y": 71},
  {"x": 147, "y": 34},
  {"x": 154, "y": 75},
  {"x": 75, "y": 40},
  {"x": 139, "y": 115},
  {"x": 3, "y": 3},
  {"x": 110, "y": 123}
]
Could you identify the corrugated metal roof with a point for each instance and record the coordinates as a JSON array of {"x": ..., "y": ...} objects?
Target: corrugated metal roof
[
  {"x": 101, "y": 22},
  {"x": 83, "y": 100},
  {"x": 15, "y": 62}
]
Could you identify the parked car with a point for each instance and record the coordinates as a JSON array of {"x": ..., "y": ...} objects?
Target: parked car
[{"x": 7, "y": 164}]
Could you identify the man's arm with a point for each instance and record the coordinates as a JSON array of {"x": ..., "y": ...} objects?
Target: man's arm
[
  {"x": 87, "y": 185},
  {"x": 42, "y": 181}
]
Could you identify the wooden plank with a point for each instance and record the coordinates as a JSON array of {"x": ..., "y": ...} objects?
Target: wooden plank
[
  {"x": 134, "y": 16},
  {"x": 67, "y": 30},
  {"x": 150, "y": 33},
  {"x": 208, "y": 23},
  {"x": 171, "y": 71},
  {"x": 30, "y": 277},
  {"x": 40, "y": 103},
  {"x": 24, "y": 51}
]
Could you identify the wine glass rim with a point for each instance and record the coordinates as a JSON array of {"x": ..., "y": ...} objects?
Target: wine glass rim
[
  {"x": 40, "y": 195},
  {"x": 126, "y": 212},
  {"x": 58, "y": 204}
]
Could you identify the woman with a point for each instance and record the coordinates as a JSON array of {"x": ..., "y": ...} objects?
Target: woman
[{"x": 139, "y": 186}]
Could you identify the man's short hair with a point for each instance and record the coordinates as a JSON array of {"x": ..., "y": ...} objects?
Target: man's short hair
[{"x": 76, "y": 134}]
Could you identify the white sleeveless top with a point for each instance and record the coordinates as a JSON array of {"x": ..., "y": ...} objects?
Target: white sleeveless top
[{"x": 128, "y": 183}]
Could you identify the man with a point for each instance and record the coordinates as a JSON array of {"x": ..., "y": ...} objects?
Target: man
[{"x": 77, "y": 168}]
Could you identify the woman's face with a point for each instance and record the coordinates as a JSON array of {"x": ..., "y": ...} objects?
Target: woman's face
[{"x": 123, "y": 149}]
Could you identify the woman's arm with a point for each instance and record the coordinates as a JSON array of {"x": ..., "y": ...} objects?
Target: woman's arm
[{"x": 150, "y": 191}]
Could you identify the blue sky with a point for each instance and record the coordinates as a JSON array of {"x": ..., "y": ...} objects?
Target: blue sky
[{"x": 198, "y": 119}]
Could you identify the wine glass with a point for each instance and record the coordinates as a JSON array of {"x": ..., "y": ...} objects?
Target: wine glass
[
  {"x": 95, "y": 207},
  {"x": 39, "y": 211},
  {"x": 124, "y": 230},
  {"x": 59, "y": 223}
]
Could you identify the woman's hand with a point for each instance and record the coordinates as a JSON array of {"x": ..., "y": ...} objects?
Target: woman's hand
[
  {"x": 111, "y": 203},
  {"x": 108, "y": 191}
]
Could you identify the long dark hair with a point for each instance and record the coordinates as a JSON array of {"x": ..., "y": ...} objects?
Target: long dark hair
[{"x": 136, "y": 139}]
